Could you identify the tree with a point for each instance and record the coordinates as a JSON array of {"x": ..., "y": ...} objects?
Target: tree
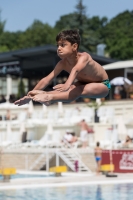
[
  {"x": 81, "y": 18},
  {"x": 2, "y": 23},
  {"x": 9, "y": 41},
  {"x": 21, "y": 89},
  {"x": 68, "y": 21},
  {"x": 118, "y": 35},
  {"x": 90, "y": 29},
  {"x": 37, "y": 34},
  {"x": 2, "y": 26}
]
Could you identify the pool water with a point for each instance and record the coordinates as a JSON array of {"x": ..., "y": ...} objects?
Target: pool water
[
  {"x": 28, "y": 176},
  {"x": 94, "y": 192}
]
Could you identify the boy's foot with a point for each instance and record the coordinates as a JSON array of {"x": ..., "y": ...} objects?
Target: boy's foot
[
  {"x": 48, "y": 103},
  {"x": 43, "y": 98}
]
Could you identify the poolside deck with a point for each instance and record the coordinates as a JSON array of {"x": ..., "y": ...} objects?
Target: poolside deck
[{"x": 69, "y": 179}]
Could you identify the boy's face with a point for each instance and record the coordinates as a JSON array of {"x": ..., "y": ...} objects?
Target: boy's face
[{"x": 65, "y": 48}]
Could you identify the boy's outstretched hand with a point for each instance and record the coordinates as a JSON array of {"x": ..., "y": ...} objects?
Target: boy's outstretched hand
[
  {"x": 26, "y": 99},
  {"x": 61, "y": 87},
  {"x": 22, "y": 101}
]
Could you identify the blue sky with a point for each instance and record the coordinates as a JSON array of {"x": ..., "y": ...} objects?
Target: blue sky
[{"x": 19, "y": 14}]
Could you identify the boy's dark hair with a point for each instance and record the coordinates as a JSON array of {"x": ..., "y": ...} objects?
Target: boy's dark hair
[
  {"x": 73, "y": 133},
  {"x": 71, "y": 36},
  {"x": 98, "y": 144}
]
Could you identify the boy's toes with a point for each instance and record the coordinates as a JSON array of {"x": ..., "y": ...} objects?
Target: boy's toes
[{"x": 48, "y": 103}]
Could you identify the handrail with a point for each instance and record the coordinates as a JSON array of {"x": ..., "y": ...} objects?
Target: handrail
[{"x": 68, "y": 162}]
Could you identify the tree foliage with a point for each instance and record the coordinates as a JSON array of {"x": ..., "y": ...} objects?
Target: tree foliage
[
  {"x": 37, "y": 34},
  {"x": 79, "y": 20},
  {"x": 117, "y": 33},
  {"x": 9, "y": 41},
  {"x": 21, "y": 89},
  {"x": 2, "y": 24},
  {"x": 119, "y": 36}
]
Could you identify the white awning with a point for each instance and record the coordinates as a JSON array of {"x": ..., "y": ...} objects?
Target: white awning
[{"x": 119, "y": 65}]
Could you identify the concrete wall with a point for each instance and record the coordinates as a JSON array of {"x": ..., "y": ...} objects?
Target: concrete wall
[{"x": 23, "y": 161}]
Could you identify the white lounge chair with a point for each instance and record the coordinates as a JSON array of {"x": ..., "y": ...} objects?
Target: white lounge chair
[{"x": 56, "y": 139}]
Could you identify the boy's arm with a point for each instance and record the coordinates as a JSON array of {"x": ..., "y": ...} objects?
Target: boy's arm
[
  {"x": 82, "y": 62},
  {"x": 42, "y": 84}
]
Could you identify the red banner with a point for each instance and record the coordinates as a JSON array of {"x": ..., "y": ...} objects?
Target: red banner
[{"x": 122, "y": 160}]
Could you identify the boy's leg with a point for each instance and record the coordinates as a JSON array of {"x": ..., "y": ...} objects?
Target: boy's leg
[
  {"x": 99, "y": 166},
  {"x": 91, "y": 90},
  {"x": 35, "y": 92}
]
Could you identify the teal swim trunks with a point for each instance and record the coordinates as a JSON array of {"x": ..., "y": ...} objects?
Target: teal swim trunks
[{"x": 107, "y": 83}]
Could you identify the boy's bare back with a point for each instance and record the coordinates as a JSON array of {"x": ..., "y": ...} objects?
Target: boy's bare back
[
  {"x": 91, "y": 72},
  {"x": 98, "y": 151}
]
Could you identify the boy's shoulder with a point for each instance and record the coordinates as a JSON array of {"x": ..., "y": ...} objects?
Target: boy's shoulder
[
  {"x": 61, "y": 62},
  {"x": 99, "y": 148},
  {"x": 84, "y": 55}
]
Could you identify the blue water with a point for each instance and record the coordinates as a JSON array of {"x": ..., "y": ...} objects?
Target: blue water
[
  {"x": 27, "y": 176},
  {"x": 94, "y": 192}
]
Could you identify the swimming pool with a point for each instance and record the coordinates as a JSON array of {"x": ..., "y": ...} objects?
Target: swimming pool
[
  {"x": 21, "y": 176},
  {"x": 87, "y": 192}
]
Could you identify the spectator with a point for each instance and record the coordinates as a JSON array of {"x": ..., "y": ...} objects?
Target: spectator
[
  {"x": 75, "y": 138},
  {"x": 98, "y": 156},
  {"x": 128, "y": 141},
  {"x": 84, "y": 133},
  {"x": 8, "y": 115},
  {"x": 69, "y": 137},
  {"x": 117, "y": 92}
]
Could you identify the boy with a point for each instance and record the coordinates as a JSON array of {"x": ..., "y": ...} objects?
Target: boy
[
  {"x": 98, "y": 156},
  {"x": 87, "y": 78}
]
